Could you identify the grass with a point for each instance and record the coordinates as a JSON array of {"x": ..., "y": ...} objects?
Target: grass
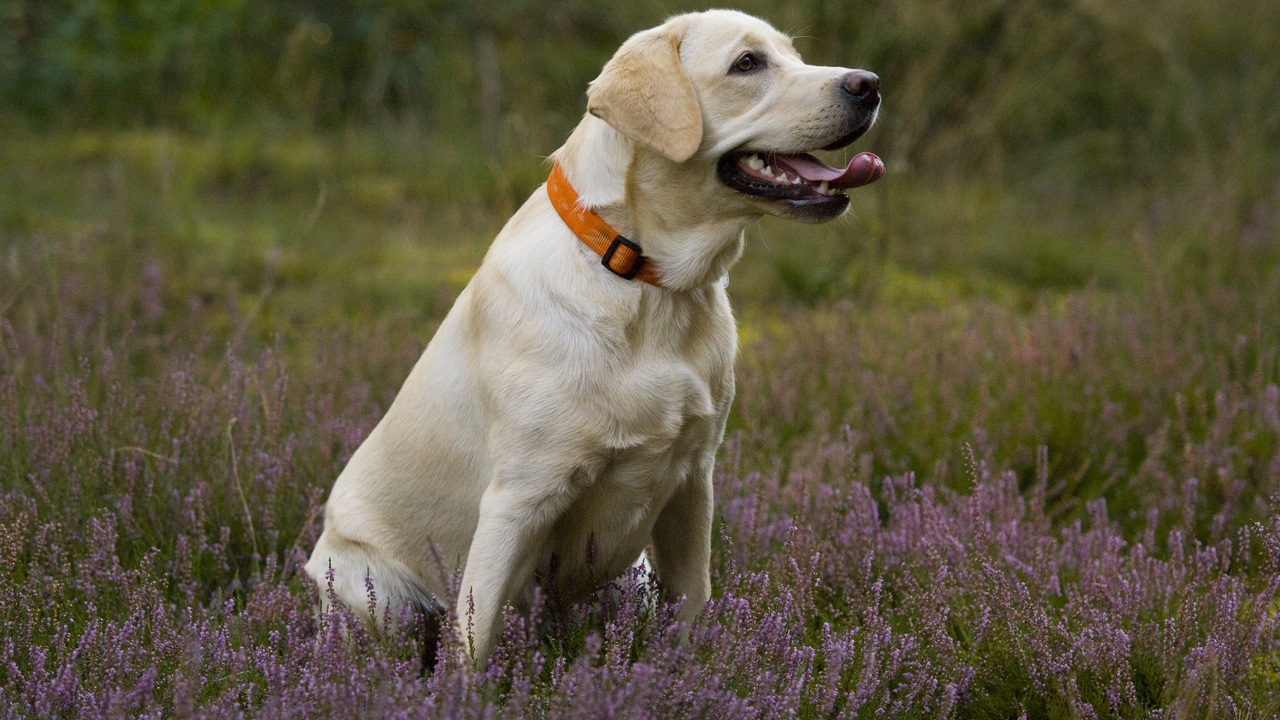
[{"x": 940, "y": 463}]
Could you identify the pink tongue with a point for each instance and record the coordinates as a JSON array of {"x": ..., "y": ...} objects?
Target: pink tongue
[{"x": 863, "y": 169}]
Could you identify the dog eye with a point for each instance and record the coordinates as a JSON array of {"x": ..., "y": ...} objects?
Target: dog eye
[{"x": 746, "y": 63}]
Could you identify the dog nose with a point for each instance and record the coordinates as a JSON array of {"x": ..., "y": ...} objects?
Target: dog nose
[{"x": 863, "y": 86}]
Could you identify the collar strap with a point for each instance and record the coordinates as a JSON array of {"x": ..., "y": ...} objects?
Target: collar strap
[{"x": 621, "y": 256}]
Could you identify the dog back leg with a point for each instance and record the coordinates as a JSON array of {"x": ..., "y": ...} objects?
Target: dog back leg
[{"x": 369, "y": 583}]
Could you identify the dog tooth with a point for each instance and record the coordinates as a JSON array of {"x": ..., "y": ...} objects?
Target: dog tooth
[
  {"x": 767, "y": 171},
  {"x": 783, "y": 178},
  {"x": 796, "y": 180},
  {"x": 824, "y": 188},
  {"x": 754, "y": 162}
]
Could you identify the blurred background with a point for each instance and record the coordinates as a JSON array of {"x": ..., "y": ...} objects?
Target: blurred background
[{"x": 1032, "y": 146}]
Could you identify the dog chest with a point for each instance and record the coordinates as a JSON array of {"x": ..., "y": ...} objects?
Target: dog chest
[{"x": 671, "y": 439}]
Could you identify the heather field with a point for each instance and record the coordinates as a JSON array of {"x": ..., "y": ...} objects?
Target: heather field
[{"x": 1007, "y": 437}]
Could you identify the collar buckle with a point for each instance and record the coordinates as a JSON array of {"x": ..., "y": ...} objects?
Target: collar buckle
[{"x": 632, "y": 258}]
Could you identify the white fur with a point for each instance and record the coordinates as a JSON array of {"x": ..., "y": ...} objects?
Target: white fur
[{"x": 559, "y": 407}]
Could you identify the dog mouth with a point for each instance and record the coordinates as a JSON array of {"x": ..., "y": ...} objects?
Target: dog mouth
[{"x": 801, "y": 180}]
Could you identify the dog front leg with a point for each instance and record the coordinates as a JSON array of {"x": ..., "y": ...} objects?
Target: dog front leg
[
  {"x": 515, "y": 521},
  {"x": 682, "y": 545}
]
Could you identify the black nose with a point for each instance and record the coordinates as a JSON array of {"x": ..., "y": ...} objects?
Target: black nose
[{"x": 862, "y": 86}]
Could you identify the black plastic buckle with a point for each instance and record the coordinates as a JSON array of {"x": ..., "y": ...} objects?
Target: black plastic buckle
[{"x": 613, "y": 248}]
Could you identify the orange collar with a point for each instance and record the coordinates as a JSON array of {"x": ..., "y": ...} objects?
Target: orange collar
[{"x": 621, "y": 256}]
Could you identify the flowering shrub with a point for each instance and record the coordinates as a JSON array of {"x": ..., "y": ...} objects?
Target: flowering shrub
[{"x": 1093, "y": 532}]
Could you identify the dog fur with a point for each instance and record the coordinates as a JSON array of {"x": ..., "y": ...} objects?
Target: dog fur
[{"x": 561, "y": 411}]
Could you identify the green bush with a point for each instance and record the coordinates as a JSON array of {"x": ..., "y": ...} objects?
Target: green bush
[{"x": 1079, "y": 93}]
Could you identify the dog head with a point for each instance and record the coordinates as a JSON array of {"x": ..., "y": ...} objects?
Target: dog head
[{"x": 727, "y": 96}]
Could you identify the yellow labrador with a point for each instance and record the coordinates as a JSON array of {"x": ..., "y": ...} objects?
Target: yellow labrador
[{"x": 566, "y": 415}]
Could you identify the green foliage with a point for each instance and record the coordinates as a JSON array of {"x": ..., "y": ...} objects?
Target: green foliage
[
  {"x": 1076, "y": 91},
  {"x": 1028, "y": 143}
]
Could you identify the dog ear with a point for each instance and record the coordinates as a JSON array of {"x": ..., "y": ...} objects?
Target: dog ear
[{"x": 645, "y": 94}]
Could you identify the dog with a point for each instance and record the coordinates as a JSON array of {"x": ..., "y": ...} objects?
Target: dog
[{"x": 562, "y": 424}]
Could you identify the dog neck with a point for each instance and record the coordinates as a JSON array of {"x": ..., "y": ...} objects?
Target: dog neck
[{"x": 618, "y": 179}]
